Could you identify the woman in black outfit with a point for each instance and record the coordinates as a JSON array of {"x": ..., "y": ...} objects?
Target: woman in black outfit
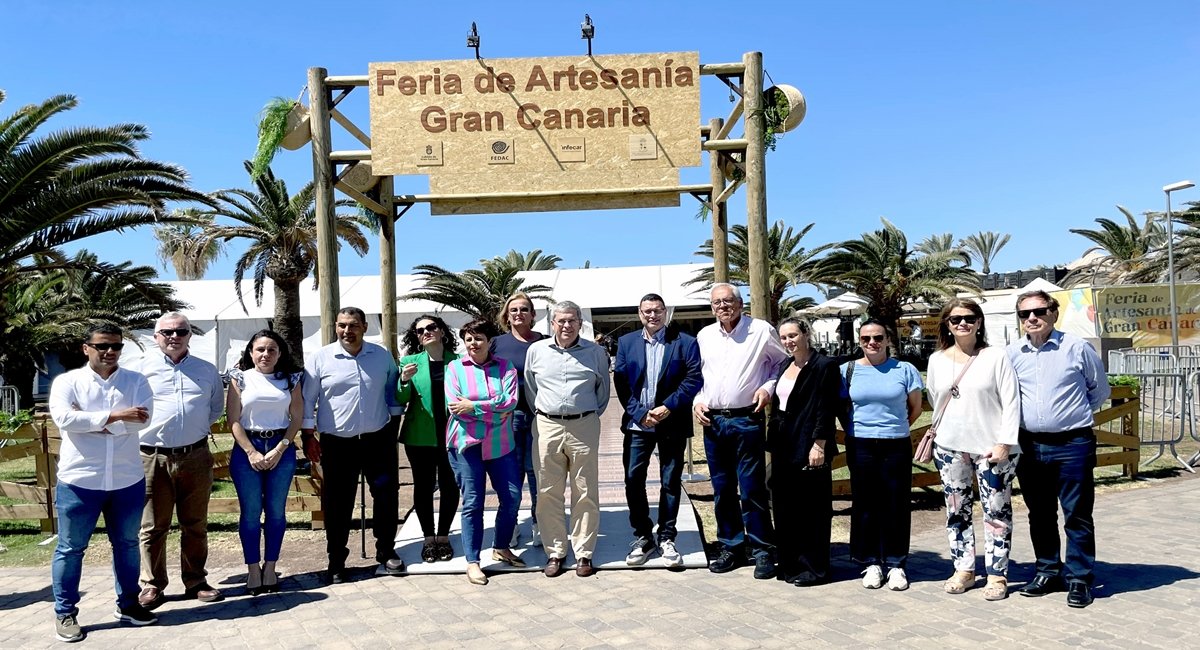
[{"x": 800, "y": 437}]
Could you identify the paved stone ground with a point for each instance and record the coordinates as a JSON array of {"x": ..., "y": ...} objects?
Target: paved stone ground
[{"x": 1148, "y": 592}]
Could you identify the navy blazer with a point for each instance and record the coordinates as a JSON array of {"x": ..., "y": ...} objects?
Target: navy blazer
[{"x": 677, "y": 385}]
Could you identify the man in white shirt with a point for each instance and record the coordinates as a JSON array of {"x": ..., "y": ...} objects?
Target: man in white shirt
[
  {"x": 99, "y": 410},
  {"x": 188, "y": 398},
  {"x": 351, "y": 389},
  {"x": 739, "y": 356}
]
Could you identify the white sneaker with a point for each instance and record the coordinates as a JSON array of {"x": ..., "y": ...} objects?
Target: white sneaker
[
  {"x": 537, "y": 535},
  {"x": 873, "y": 577},
  {"x": 640, "y": 550},
  {"x": 897, "y": 581},
  {"x": 670, "y": 554}
]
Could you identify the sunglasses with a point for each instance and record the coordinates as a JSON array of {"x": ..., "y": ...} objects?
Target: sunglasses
[
  {"x": 180, "y": 332},
  {"x": 878, "y": 338},
  {"x": 970, "y": 320},
  {"x": 1024, "y": 314},
  {"x": 428, "y": 329},
  {"x": 105, "y": 347}
]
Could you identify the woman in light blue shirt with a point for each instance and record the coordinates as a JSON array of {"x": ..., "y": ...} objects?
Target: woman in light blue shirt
[{"x": 886, "y": 399}]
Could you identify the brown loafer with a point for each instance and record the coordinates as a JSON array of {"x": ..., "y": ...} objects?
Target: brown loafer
[
  {"x": 151, "y": 598},
  {"x": 553, "y": 567},
  {"x": 584, "y": 568},
  {"x": 204, "y": 593}
]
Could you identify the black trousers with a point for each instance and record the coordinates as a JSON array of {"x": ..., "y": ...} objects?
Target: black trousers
[
  {"x": 802, "y": 502},
  {"x": 881, "y": 486},
  {"x": 375, "y": 456},
  {"x": 431, "y": 468}
]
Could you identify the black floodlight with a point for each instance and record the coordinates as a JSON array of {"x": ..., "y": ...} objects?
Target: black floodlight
[
  {"x": 587, "y": 31},
  {"x": 473, "y": 39}
]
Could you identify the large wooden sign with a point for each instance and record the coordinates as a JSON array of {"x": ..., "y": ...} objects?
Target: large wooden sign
[{"x": 485, "y": 126}]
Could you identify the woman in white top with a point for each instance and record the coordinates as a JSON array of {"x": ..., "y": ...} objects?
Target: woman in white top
[
  {"x": 265, "y": 407},
  {"x": 977, "y": 436}
]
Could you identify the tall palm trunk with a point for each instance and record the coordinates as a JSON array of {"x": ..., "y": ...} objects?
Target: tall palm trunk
[{"x": 287, "y": 315}]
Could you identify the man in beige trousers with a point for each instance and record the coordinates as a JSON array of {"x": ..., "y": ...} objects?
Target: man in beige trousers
[{"x": 567, "y": 382}]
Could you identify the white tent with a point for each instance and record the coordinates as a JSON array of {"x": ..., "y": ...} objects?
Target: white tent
[
  {"x": 227, "y": 326},
  {"x": 1000, "y": 310},
  {"x": 848, "y": 303}
]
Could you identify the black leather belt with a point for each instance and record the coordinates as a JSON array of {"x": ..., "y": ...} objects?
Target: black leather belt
[
  {"x": 569, "y": 416},
  {"x": 743, "y": 412},
  {"x": 267, "y": 434},
  {"x": 174, "y": 451}
]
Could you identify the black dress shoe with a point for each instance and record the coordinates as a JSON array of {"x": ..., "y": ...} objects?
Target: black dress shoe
[
  {"x": 1079, "y": 594},
  {"x": 335, "y": 576},
  {"x": 1042, "y": 585}
]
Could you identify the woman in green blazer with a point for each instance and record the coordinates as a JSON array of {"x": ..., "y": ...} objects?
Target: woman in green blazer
[{"x": 422, "y": 391}]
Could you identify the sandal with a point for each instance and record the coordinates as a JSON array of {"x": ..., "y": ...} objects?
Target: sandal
[
  {"x": 960, "y": 582},
  {"x": 996, "y": 589},
  {"x": 429, "y": 552}
]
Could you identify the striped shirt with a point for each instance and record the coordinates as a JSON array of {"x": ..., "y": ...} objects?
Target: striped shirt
[{"x": 493, "y": 388}]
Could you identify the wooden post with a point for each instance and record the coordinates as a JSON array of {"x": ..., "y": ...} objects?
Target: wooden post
[
  {"x": 720, "y": 212},
  {"x": 756, "y": 186},
  {"x": 46, "y": 473},
  {"x": 387, "y": 264},
  {"x": 319, "y": 102}
]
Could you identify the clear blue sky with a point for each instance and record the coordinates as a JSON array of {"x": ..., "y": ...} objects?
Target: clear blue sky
[{"x": 1024, "y": 117}]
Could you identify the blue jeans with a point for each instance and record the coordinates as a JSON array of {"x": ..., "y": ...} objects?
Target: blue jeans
[
  {"x": 260, "y": 492},
  {"x": 637, "y": 450},
  {"x": 523, "y": 431},
  {"x": 470, "y": 469},
  {"x": 78, "y": 510},
  {"x": 736, "y": 461},
  {"x": 1057, "y": 469}
]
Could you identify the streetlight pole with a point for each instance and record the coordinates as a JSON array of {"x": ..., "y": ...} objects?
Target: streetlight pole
[{"x": 1167, "y": 189}]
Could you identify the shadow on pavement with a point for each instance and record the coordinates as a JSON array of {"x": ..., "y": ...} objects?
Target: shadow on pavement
[{"x": 22, "y": 598}]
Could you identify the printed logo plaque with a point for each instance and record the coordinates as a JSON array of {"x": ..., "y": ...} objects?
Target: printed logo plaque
[
  {"x": 643, "y": 146},
  {"x": 430, "y": 154},
  {"x": 500, "y": 152},
  {"x": 570, "y": 150}
]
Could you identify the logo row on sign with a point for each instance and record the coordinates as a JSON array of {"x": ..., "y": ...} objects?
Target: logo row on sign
[{"x": 502, "y": 151}]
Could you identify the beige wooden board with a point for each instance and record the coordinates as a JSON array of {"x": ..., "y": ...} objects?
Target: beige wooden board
[
  {"x": 412, "y": 106},
  {"x": 497, "y": 205},
  {"x": 498, "y": 178}
]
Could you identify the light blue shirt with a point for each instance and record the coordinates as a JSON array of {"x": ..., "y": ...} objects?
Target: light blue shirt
[
  {"x": 189, "y": 397},
  {"x": 351, "y": 394},
  {"x": 880, "y": 395},
  {"x": 1062, "y": 383},
  {"x": 656, "y": 347}
]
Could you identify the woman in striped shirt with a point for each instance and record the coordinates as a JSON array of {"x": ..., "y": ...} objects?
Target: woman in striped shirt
[{"x": 481, "y": 394}]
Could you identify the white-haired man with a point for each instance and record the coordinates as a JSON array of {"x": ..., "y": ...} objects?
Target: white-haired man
[{"x": 566, "y": 378}]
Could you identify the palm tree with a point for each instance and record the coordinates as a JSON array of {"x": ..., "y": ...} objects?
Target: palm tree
[
  {"x": 534, "y": 260},
  {"x": 282, "y": 233},
  {"x": 48, "y": 311},
  {"x": 937, "y": 244},
  {"x": 1125, "y": 252},
  {"x": 479, "y": 293},
  {"x": 794, "y": 304},
  {"x": 182, "y": 247},
  {"x": 881, "y": 268},
  {"x": 984, "y": 246},
  {"x": 790, "y": 263},
  {"x": 64, "y": 186}
]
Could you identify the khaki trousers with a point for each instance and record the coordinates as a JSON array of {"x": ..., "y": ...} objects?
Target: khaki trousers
[
  {"x": 180, "y": 486},
  {"x": 568, "y": 451}
]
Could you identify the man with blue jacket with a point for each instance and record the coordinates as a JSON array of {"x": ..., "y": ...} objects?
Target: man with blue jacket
[{"x": 657, "y": 373}]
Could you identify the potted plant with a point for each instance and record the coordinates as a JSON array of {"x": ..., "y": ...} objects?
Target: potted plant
[
  {"x": 784, "y": 109},
  {"x": 283, "y": 123}
]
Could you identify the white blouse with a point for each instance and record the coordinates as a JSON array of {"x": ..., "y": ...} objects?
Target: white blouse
[
  {"x": 265, "y": 400},
  {"x": 987, "y": 411}
]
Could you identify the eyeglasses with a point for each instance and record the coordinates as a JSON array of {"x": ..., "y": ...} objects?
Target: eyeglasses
[
  {"x": 179, "y": 332},
  {"x": 724, "y": 302},
  {"x": 1040, "y": 312},
  {"x": 105, "y": 347},
  {"x": 519, "y": 310},
  {"x": 956, "y": 319},
  {"x": 428, "y": 329},
  {"x": 569, "y": 322},
  {"x": 878, "y": 338}
]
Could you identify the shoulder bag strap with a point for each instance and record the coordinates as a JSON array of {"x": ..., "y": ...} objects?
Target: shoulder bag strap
[{"x": 941, "y": 409}]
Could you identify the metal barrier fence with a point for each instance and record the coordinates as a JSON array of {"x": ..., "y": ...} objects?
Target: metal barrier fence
[
  {"x": 1139, "y": 363},
  {"x": 1167, "y": 412},
  {"x": 10, "y": 399}
]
